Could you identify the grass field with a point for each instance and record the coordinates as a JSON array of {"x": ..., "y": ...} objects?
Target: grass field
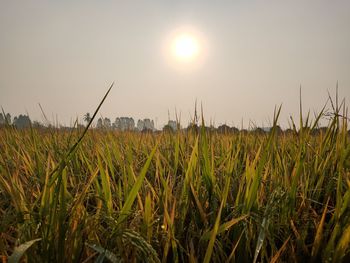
[{"x": 195, "y": 196}]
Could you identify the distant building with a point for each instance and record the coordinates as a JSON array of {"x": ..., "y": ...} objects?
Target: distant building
[
  {"x": 171, "y": 126},
  {"x": 145, "y": 124},
  {"x": 107, "y": 123},
  {"x": 124, "y": 124},
  {"x": 103, "y": 123},
  {"x": 99, "y": 124}
]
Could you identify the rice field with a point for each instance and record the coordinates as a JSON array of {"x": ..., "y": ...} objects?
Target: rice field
[{"x": 189, "y": 196}]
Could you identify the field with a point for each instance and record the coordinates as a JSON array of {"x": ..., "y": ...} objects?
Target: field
[{"x": 189, "y": 196}]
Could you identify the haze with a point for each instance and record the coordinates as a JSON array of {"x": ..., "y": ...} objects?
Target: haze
[{"x": 65, "y": 54}]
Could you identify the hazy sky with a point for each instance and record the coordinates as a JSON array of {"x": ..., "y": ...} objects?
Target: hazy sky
[{"x": 255, "y": 54}]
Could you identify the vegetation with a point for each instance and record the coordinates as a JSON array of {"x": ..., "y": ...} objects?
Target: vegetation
[{"x": 185, "y": 196}]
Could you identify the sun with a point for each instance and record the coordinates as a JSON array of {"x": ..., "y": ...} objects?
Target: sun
[{"x": 185, "y": 47}]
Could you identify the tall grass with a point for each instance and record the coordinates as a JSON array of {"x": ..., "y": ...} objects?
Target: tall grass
[{"x": 183, "y": 197}]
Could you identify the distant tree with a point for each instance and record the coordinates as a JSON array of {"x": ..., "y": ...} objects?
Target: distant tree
[
  {"x": 244, "y": 131},
  {"x": 193, "y": 127},
  {"x": 87, "y": 118},
  {"x": 259, "y": 130},
  {"x": 319, "y": 130},
  {"x": 278, "y": 129},
  {"x": 37, "y": 125},
  {"x": 234, "y": 130},
  {"x": 168, "y": 128},
  {"x": 22, "y": 121},
  {"x": 224, "y": 128}
]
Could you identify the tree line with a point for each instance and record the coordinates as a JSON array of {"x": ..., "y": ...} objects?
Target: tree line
[{"x": 145, "y": 125}]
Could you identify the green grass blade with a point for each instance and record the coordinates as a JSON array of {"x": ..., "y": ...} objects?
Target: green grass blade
[
  {"x": 215, "y": 230},
  {"x": 124, "y": 212},
  {"x": 55, "y": 173}
]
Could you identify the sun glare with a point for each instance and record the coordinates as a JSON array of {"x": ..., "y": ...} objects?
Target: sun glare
[{"x": 185, "y": 47}]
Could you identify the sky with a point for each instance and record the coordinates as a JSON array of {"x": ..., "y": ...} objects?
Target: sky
[{"x": 253, "y": 56}]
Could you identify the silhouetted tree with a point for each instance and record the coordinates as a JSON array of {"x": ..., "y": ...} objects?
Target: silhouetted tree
[
  {"x": 234, "y": 130},
  {"x": 259, "y": 131},
  {"x": 224, "y": 128},
  {"x": 244, "y": 131},
  {"x": 319, "y": 130},
  {"x": 87, "y": 118},
  {"x": 37, "y": 125}
]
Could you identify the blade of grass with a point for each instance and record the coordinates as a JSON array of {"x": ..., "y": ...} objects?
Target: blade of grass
[
  {"x": 63, "y": 163},
  {"x": 210, "y": 247},
  {"x": 124, "y": 212},
  {"x": 319, "y": 233},
  {"x": 20, "y": 250}
]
